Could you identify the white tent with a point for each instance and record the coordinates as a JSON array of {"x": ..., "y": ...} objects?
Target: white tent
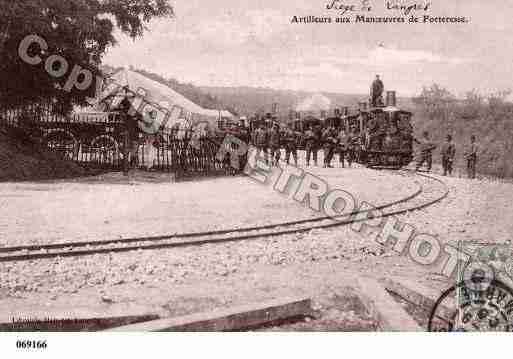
[
  {"x": 131, "y": 84},
  {"x": 227, "y": 114},
  {"x": 216, "y": 113}
]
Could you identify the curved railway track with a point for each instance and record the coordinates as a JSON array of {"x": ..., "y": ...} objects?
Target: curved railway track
[{"x": 416, "y": 201}]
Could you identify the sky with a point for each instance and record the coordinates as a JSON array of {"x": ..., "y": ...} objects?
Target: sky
[{"x": 254, "y": 43}]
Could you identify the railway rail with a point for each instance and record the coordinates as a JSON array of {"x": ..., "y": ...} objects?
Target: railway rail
[{"x": 422, "y": 198}]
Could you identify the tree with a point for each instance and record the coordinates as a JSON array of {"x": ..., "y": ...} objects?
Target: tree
[
  {"x": 436, "y": 101},
  {"x": 435, "y": 95},
  {"x": 498, "y": 98},
  {"x": 78, "y": 30}
]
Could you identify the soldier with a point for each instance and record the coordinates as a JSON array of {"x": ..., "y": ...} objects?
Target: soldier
[
  {"x": 365, "y": 141},
  {"x": 471, "y": 156},
  {"x": 329, "y": 142},
  {"x": 260, "y": 141},
  {"x": 318, "y": 140},
  {"x": 357, "y": 145},
  {"x": 311, "y": 146},
  {"x": 290, "y": 142},
  {"x": 426, "y": 149},
  {"x": 350, "y": 147},
  {"x": 448, "y": 154},
  {"x": 274, "y": 144},
  {"x": 377, "y": 92},
  {"x": 343, "y": 142}
]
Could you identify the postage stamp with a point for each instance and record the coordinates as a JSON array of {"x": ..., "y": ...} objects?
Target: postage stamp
[{"x": 482, "y": 297}]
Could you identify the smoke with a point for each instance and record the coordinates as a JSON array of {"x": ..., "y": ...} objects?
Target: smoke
[{"x": 317, "y": 102}]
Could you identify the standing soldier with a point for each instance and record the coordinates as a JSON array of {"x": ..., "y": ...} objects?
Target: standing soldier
[
  {"x": 377, "y": 88},
  {"x": 318, "y": 141},
  {"x": 274, "y": 144},
  {"x": 471, "y": 156},
  {"x": 329, "y": 143},
  {"x": 343, "y": 142},
  {"x": 260, "y": 141},
  {"x": 448, "y": 154},
  {"x": 426, "y": 151},
  {"x": 311, "y": 146},
  {"x": 350, "y": 149},
  {"x": 354, "y": 146},
  {"x": 290, "y": 142},
  {"x": 365, "y": 144}
]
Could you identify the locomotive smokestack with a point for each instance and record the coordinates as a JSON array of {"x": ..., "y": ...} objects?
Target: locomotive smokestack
[{"x": 391, "y": 99}]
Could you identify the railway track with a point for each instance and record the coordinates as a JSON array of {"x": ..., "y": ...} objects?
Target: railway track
[{"x": 422, "y": 198}]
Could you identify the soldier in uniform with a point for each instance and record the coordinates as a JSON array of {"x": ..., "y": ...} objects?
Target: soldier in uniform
[
  {"x": 377, "y": 92},
  {"x": 329, "y": 142},
  {"x": 260, "y": 141},
  {"x": 311, "y": 146},
  {"x": 366, "y": 139},
  {"x": 426, "y": 151},
  {"x": 290, "y": 143},
  {"x": 350, "y": 147},
  {"x": 318, "y": 141},
  {"x": 354, "y": 146},
  {"x": 274, "y": 144},
  {"x": 448, "y": 154},
  {"x": 343, "y": 143},
  {"x": 471, "y": 156}
]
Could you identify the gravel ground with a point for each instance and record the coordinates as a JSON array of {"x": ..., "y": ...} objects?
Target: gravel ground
[
  {"x": 33, "y": 213},
  {"x": 172, "y": 282}
]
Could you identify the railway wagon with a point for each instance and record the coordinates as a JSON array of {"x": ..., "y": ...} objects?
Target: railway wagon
[
  {"x": 268, "y": 121},
  {"x": 87, "y": 137},
  {"x": 339, "y": 119},
  {"x": 300, "y": 126}
]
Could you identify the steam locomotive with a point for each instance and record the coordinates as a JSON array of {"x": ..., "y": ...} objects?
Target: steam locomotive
[{"x": 386, "y": 132}]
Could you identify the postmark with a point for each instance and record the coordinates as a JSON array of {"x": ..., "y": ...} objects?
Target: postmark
[
  {"x": 482, "y": 298},
  {"x": 476, "y": 310}
]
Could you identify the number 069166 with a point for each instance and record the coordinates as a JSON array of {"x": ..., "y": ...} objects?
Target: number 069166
[{"x": 31, "y": 344}]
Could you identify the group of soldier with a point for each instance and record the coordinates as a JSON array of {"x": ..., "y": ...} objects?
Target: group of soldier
[
  {"x": 448, "y": 153},
  {"x": 329, "y": 139},
  {"x": 347, "y": 145}
]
